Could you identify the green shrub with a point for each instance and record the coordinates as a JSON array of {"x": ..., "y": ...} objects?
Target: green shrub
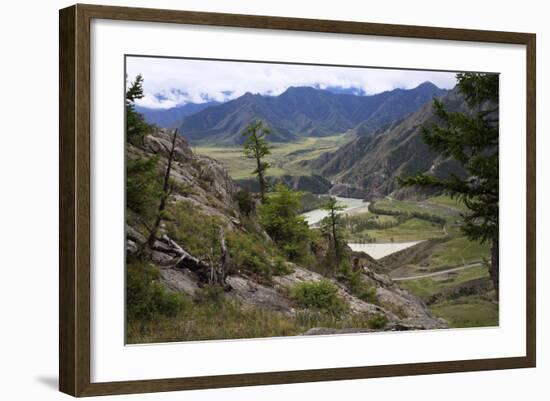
[
  {"x": 146, "y": 298},
  {"x": 280, "y": 216},
  {"x": 321, "y": 295},
  {"x": 250, "y": 252},
  {"x": 378, "y": 321}
]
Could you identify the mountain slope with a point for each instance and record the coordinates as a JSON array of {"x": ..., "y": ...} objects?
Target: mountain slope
[
  {"x": 304, "y": 111},
  {"x": 172, "y": 117},
  {"x": 203, "y": 193},
  {"x": 368, "y": 165}
]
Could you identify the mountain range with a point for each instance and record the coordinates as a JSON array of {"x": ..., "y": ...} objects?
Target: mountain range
[
  {"x": 172, "y": 117},
  {"x": 368, "y": 165},
  {"x": 387, "y": 127},
  {"x": 304, "y": 111}
]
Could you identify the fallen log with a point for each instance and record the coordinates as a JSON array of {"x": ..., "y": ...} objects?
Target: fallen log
[{"x": 184, "y": 260}]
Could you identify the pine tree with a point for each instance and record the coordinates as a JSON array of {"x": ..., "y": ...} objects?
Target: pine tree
[
  {"x": 471, "y": 139},
  {"x": 332, "y": 226},
  {"x": 256, "y": 147},
  {"x": 136, "y": 126},
  {"x": 280, "y": 216}
]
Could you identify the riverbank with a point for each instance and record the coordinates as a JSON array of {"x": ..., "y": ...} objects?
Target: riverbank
[
  {"x": 356, "y": 207},
  {"x": 351, "y": 205},
  {"x": 380, "y": 250}
]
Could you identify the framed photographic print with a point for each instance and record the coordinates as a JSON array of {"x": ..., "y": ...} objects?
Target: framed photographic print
[{"x": 250, "y": 200}]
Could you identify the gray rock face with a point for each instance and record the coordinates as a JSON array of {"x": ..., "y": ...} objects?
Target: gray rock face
[
  {"x": 209, "y": 185},
  {"x": 320, "y": 331},
  {"x": 131, "y": 247},
  {"x": 180, "y": 280},
  {"x": 412, "y": 312},
  {"x": 160, "y": 142},
  {"x": 251, "y": 293},
  {"x": 134, "y": 235}
]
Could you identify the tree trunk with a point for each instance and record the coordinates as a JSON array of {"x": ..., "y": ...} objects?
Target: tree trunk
[
  {"x": 494, "y": 269},
  {"x": 225, "y": 259},
  {"x": 165, "y": 193},
  {"x": 334, "y": 237},
  {"x": 261, "y": 179}
]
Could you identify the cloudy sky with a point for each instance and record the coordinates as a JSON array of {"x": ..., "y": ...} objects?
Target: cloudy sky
[{"x": 172, "y": 82}]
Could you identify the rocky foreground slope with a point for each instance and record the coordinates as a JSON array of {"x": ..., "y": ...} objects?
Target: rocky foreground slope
[{"x": 211, "y": 192}]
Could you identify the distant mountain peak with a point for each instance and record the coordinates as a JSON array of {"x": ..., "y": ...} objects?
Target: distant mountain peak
[
  {"x": 302, "y": 111},
  {"x": 300, "y": 89},
  {"x": 428, "y": 85}
]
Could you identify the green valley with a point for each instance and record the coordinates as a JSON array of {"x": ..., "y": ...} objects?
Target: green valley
[{"x": 285, "y": 157}]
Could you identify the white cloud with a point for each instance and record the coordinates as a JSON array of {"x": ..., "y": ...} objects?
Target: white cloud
[{"x": 170, "y": 82}]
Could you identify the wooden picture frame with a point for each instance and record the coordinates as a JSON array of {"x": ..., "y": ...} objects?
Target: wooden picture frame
[{"x": 74, "y": 204}]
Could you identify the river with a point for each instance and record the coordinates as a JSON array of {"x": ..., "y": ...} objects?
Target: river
[
  {"x": 350, "y": 205},
  {"x": 354, "y": 206}
]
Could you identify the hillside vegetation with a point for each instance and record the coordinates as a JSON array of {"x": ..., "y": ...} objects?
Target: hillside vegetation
[{"x": 222, "y": 265}]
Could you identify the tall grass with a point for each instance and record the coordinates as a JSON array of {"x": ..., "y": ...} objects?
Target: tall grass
[{"x": 230, "y": 320}]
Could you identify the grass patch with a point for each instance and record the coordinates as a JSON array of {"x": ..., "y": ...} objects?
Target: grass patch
[
  {"x": 195, "y": 231},
  {"x": 446, "y": 200},
  {"x": 251, "y": 252},
  {"x": 209, "y": 321},
  {"x": 415, "y": 221},
  {"x": 226, "y": 320},
  {"x": 411, "y": 230},
  {"x": 459, "y": 251},
  {"x": 470, "y": 311},
  {"x": 426, "y": 287},
  {"x": 450, "y": 214}
]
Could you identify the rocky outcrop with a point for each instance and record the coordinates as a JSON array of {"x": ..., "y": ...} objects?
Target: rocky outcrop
[
  {"x": 402, "y": 310},
  {"x": 200, "y": 179},
  {"x": 300, "y": 275},
  {"x": 251, "y": 293},
  {"x": 180, "y": 280}
]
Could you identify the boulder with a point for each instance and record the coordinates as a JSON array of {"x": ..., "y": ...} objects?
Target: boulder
[
  {"x": 254, "y": 294},
  {"x": 179, "y": 280}
]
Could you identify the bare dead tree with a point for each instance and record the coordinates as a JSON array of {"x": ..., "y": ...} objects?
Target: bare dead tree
[
  {"x": 225, "y": 258},
  {"x": 166, "y": 191}
]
